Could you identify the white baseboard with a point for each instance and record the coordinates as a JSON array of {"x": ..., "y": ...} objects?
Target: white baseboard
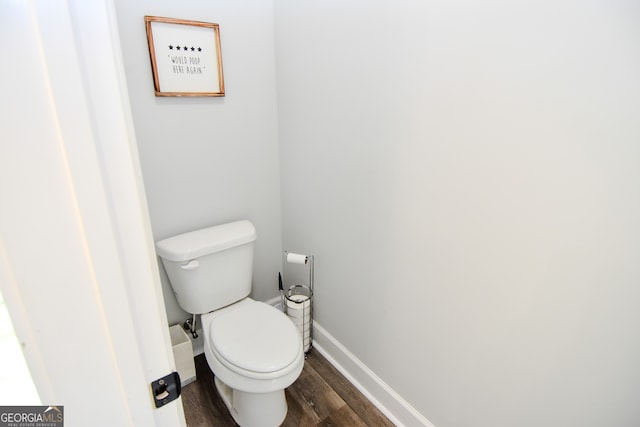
[
  {"x": 383, "y": 397},
  {"x": 390, "y": 403},
  {"x": 275, "y": 302}
]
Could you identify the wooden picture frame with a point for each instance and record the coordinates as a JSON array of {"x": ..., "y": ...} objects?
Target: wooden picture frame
[{"x": 185, "y": 57}]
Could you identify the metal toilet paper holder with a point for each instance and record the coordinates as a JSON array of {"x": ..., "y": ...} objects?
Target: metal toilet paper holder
[{"x": 297, "y": 301}]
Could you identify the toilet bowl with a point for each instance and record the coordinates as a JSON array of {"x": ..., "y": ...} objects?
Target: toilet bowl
[{"x": 254, "y": 352}]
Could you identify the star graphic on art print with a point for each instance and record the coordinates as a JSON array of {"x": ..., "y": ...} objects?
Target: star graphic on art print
[
  {"x": 199, "y": 49},
  {"x": 185, "y": 48},
  {"x": 192, "y": 48},
  {"x": 170, "y": 47}
]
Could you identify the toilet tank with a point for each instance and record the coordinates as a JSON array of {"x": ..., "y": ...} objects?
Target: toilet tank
[{"x": 210, "y": 268}]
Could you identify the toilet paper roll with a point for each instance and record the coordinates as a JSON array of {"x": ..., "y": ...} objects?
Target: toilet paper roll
[
  {"x": 299, "y": 312},
  {"x": 298, "y": 301},
  {"x": 305, "y": 334},
  {"x": 296, "y": 258},
  {"x": 299, "y": 316}
]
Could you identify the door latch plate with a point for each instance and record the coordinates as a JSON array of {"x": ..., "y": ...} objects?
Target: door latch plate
[{"x": 166, "y": 389}]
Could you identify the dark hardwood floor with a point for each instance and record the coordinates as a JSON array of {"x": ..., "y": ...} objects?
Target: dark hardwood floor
[{"x": 321, "y": 396}]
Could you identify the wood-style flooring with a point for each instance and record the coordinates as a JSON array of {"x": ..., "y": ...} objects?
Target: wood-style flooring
[{"x": 321, "y": 396}]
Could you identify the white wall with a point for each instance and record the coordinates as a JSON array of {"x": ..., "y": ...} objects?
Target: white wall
[
  {"x": 208, "y": 161},
  {"x": 467, "y": 175}
]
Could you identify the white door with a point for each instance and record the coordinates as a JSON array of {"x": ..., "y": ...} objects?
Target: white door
[{"x": 77, "y": 266}]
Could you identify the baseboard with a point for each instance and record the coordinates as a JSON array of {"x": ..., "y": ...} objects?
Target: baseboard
[
  {"x": 381, "y": 395},
  {"x": 275, "y": 302}
]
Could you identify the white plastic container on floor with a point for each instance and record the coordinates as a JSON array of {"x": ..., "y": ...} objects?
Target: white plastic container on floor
[{"x": 183, "y": 355}]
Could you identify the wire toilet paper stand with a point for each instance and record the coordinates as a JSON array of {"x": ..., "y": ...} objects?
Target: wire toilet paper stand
[{"x": 297, "y": 301}]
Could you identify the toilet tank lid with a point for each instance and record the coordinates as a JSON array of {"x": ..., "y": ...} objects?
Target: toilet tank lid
[{"x": 206, "y": 241}]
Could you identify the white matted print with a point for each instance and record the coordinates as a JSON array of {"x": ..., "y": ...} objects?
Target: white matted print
[{"x": 185, "y": 57}]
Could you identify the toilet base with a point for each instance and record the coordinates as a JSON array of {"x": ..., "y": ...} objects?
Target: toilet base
[{"x": 253, "y": 409}]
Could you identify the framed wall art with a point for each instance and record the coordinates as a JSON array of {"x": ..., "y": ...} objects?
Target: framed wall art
[{"x": 185, "y": 57}]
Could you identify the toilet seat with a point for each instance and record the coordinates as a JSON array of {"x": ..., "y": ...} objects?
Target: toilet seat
[{"x": 255, "y": 340}]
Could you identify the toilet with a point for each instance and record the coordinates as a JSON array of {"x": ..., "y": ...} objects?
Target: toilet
[{"x": 253, "y": 349}]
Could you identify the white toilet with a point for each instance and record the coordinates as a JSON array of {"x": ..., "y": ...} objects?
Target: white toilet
[{"x": 253, "y": 349}]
